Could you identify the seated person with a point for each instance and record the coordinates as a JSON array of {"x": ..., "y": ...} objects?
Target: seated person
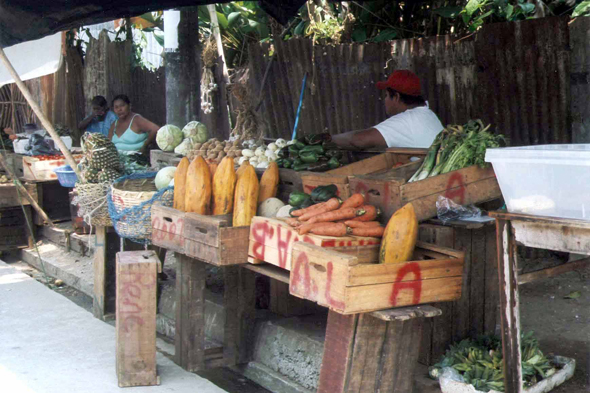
[
  {"x": 101, "y": 118},
  {"x": 131, "y": 131}
]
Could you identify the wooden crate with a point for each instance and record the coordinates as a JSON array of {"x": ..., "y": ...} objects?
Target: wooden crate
[
  {"x": 54, "y": 200},
  {"x": 14, "y": 162},
  {"x": 213, "y": 239},
  {"x": 14, "y": 231},
  {"x": 377, "y": 164},
  {"x": 289, "y": 181},
  {"x": 10, "y": 197},
  {"x": 35, "y": 169},
  {"x": 272, "y": 240},
  {"x": 160, "y": 159},
  {"x": 390, "y": 190},
  {"x": 137, "y": 285},
  {"x": 168, "y": 228},
  {"x": 350, "y": 284}
]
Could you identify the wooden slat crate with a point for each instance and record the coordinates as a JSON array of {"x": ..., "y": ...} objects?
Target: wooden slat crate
[
  {"x": 9, "y": 197},
  {"x": 272, "y": 240},
  {"x": 377, "y": 164},
  {"x": 35, "y": 169},
  {"x": 390, "y": 190},
  {"x": 160, "y": 159},
  {"x": 350, "y": 284},
  {"x": 53, "y": 199},
  {"x": 213, "y": 239},
  {"x": 168, "y": 228},
  {"x": 14, "y": 162},
  {"x": 14, "y": 231}
]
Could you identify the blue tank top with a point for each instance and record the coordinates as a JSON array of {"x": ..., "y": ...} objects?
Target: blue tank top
[{"x": 129, "y": 140}]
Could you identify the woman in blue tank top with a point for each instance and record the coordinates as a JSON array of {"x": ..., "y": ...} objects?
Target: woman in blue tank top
[{"x": 131, "y": 131}]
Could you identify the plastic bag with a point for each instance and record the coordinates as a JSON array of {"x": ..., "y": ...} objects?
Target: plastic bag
[
  {"x": 38, "y": 146},
  {"x": 447, "y": 210}
]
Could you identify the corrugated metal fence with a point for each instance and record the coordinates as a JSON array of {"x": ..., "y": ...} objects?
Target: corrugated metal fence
[{"x": 513, "y": 75}]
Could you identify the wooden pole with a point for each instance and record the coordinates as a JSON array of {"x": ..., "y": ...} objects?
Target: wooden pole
[
  {"x": 46, "y": 123},
  {"x": 217, "y": 35},
  {"x": 25, "y": 192}
]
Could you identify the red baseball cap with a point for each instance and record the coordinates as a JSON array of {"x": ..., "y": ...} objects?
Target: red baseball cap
[{"x": 403, "y": 81}]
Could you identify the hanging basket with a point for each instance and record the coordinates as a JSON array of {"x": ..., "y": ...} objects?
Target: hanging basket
[
  {"x": 92, "y": 203},
  {"x": 130, "y": 205}
]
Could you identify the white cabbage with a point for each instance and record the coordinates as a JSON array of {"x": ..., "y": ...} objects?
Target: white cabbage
[
  {"x": 164, "y": 177},
  {"x": 196, "y": 131},
  {"x": 169, "y": 137},
  {"x": 184, "y": 148}
]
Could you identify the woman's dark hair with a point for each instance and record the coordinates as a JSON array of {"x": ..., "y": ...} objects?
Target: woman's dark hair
[
  {"x": 407, "y": 99},
  {"x": 123, "y": 98},
  {"x": 100, "y": 101}
]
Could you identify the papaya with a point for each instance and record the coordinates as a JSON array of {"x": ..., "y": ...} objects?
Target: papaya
[
  {"x": 269, "y": 183},
  {"x": 198, "y": 187},
  {"x": 400, "y": 236},
  {"x": 246, "y": 197},
  {"x": 224, "y": 184},
  {"x": 180, "y": 183},
  {"x": 242, "y": 167}
]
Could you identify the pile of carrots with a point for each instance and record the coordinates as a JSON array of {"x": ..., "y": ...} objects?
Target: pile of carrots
[{"x": 337, "y": 218}]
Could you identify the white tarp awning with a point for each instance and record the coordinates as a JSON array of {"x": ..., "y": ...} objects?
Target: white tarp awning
[{"x": 33, "y": 59}]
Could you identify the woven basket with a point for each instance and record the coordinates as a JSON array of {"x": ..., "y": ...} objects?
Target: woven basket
[
  {"x": 92, "y": 203},
  {"x": 130, "y": 193}
]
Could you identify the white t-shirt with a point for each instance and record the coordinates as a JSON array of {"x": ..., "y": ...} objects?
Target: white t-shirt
[{"x": 416, "y": 127}]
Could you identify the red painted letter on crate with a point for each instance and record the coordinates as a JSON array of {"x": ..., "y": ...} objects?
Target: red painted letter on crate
[
  {"x": 415, "y": 286},
  {"x": 302, "y": 279},
  {"x": 456, "y": 180},
  {"x": 260, "y": 232}
]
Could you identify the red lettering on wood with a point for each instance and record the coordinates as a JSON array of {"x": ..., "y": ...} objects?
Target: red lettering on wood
[
  {"x": 260, "y": 231},
  {"x": 415, "y": 286},
  {"x": 456, "y": 180},
  {"x": 283, "y": 247},
  {"x": 332, "y": 302},
  {"x": 301, "y": 262}
]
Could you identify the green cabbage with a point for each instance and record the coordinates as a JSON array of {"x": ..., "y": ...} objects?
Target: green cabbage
[
  {"x": 169, "y": 137},
  {"x": 196, "y": 131},
  {"x": 164, "y": 177},
  {"x": 184, "y": 148}
]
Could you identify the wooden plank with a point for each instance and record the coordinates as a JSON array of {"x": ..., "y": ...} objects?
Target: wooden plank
[
  {"x": 271, "y": 271},
  {"x": 477, "y": 286},
  {"x": 9, "y": 197},
  {"x": 137, "y": 279},
  {"x": 373, "y": 164},
  {"x": 231, "y": 306},
  {"x": 246, "y": 314},
  {"x": 168, "y": 228},
  {"x": 205, "y": 229},
  {"x": 461, "y": 321},
  {"x": 504, "y": 215},
  {"x": 492, "y": 296},
  {"x": 233, "y": 249},
  {"x": 189, "y": 340},
  {"x": 553, "y": 271},
  {"x": 510, "y": 313},
  {"x": 406, "y": 313},
  {"x": 160, "y": 159},
  {"x": 54, "y": 200},
  {"x": 400, "y": 356},
  {"x": 550, "y": 236},
  {"x": 100, "y": 260},
  {"x": 338, "y": 345}
]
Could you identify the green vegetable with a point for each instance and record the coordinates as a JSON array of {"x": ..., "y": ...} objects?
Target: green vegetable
[
  {"x": 299, "y": 145},
  {"x": 297, "y": 161},
  {"x": 293, "y": 151},
  {"x": 317, "y": 149},
  {"x": 324, "y": 193},
  {"x": 320, "y": 166},
  {"x": 334, "y": 153},
  {"x": 309, "y": 157},
  {"x": 297, "y": 198},
  {"x": 334, "y": 163},
  {"x": 301, "y": 167},
  {"x": 287, "y": 163},
  {"x": 283, "y": 153}
]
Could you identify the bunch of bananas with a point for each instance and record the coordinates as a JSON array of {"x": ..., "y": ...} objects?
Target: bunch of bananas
[{"x": 481, "y": 363}]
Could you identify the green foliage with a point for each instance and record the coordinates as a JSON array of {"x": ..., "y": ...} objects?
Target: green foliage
[{"x": 582, "y": 9}]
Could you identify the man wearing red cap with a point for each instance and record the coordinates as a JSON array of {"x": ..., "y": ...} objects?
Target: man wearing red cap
[{"x": 411, "y": 122}]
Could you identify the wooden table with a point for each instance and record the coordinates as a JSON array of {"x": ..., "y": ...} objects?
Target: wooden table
[{"x": 538, "y": 232}]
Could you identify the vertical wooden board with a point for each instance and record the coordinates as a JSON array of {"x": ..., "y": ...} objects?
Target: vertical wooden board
[
  {"x": 246, "y": 313},
  {"x": 400, "y": 356},
  {"x": 231, "y": 279},
  {"x": 168, "y": 228},
  {"x": 492, "y": 295},
  {"x": 364, "y": 370},
  {"x": 189, "y": 340},
  {"x": 461, "y": 323},
  {"x": 338, "y": 344},
  {"x": 100, "y": 256},
  {"x": 136, "y": 318},
  {"x": 477, "y": 288}
]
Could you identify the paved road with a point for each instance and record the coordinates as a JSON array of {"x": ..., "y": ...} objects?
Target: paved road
[{"x": 50, "y": 345}]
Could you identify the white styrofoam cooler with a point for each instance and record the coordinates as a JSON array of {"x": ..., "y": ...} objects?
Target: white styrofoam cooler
[
  {"x": 21, "y": 144},
  {"x": 544, "y": 180}
]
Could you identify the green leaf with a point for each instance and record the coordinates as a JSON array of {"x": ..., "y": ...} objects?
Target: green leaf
[
  {"x": 233, "y": 18},
  {"x": 509, "y": 10},
  {"x": 582, "y": 9},
  {"x": 472, "y": 6},
  {"x": 359, "y": 35},
  {"x": 385, "y": 35},
  {"x": 448, "y": 12},
  {"x": 573, "y": 295},
  {"x": 159, "y": 36},
  {"x": 223, "y": 24},
  {"x": 527, "y": 8}
]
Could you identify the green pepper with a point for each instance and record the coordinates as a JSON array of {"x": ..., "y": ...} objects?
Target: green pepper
[
  {"x": 301, "y": 167},
  {"x": 334, "y": 163},
  {"x": 324, "y": 193},
  {"x": 316, "y": 139},
  {"x": 287, "y": 163},
  {"x": 297, "y": 198},
  {"x": 297, "y": 161},
  {"x": 282, "y": 153},
  {"x": 280, "y": 162},
  {"x": 334, "y": 153},
  {"x": 293, "y": 150},
  {"x": 308, "y": 157},
  {"x": 299, "y": 145},
  {"x": 320, "y": 166},
  {"x": 317, "y": 149}
]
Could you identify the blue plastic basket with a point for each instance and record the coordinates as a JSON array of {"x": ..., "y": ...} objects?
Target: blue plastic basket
[{"x": 66, "y": 176}]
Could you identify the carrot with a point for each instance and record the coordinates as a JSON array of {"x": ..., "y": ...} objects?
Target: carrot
[
  {"x": 369, "y": 232},
  {"x": 371, "y": 213},
  {"x": 328, "y": 206},
  {"x": 362, "y": 224},
  {"x": 293, "y": 222},
  {"x": 300, "y": 212},
  {"x": 355, "y": 200},
  {"x": 330, "y": 229},
  {"x": 306, "y": 228},
  {"x": 336, "y": 215}
]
